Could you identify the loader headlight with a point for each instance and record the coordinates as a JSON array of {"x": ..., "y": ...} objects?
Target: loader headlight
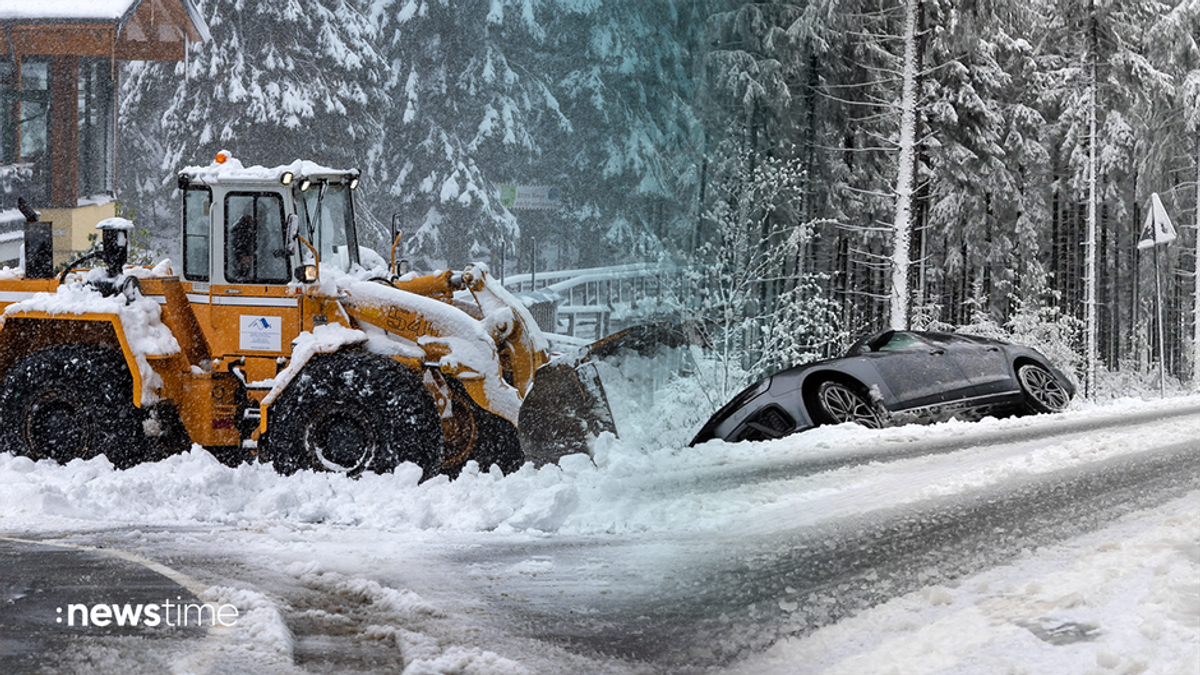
[
  {"x": 354, "y": 183},
  {"x": 306, "y": 273},
  {"x": 305, "y": 184},
  {"x": 286, "y": 178}
]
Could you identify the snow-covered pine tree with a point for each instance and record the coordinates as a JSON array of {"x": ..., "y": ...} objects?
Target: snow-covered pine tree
[
  {"x": 276, "y": 82},
  {"x": 1173, "y": 46},
  {"x": 747, "y": 107},
  {"x": 457, "y": 105},
  {"x": 590, "y": 98},
  {"x": 906, "y": 166},
  {"x": 626, "y": 77},
  {"x": 843, "y": 128},
  {"x": 763, "y": 309},
  {"x": 872, "y": 79},
  {"x": 1099, "y": 74},
  {"x": 987, "y": 208}
]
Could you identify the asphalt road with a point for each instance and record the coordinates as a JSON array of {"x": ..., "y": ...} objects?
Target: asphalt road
[
  {"x": 39, "y": 634},
  {"x": 661, "y": 604},
  {"x": 692, "y": 616}
]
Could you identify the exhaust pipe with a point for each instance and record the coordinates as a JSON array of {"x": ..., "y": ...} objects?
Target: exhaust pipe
[{"x": 114, "y": 244}]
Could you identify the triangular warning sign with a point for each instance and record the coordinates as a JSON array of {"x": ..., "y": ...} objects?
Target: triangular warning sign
[{"x": 1158, "y": 229}]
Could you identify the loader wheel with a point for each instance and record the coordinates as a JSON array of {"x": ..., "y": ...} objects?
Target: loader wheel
[
  {"x": 499, "y": 443},
  {"x": 72, "y": 401},
  {"x": 353, "y": 411},
  {"x": 475, "y": 433}
]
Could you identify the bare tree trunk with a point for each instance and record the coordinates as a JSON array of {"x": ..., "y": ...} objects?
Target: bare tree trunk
[
  {"x": 1196, "y": 281},
  {"x": 1089, "y": 273},
  {"x": 906, "y": 166}
]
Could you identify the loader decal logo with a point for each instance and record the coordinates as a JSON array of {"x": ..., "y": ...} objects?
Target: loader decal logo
[
  {"x": 261, "y": 333},
  {"x": 403, "y": 322}
]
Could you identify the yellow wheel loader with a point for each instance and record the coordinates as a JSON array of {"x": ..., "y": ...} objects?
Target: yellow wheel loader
[{"x": 280, "y": 337}]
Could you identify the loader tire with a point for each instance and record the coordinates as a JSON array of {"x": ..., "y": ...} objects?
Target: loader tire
[
  {"x": 353, "y": 411},
  {"x": 473, "y": 433},
  {"x": 499, "y": 443},
  {"x": 72, "y": 401}
]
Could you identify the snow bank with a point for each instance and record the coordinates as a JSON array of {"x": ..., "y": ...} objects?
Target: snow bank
[
  {"x": 1121, "y": 600},
  {"x": 1125, "y": 599},
  {"x": 646, "y": 481}
]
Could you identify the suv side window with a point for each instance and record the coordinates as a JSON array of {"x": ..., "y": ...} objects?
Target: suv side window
[
  {"x": 901, "y": 341},
  {"x": 197, "y": 201}
]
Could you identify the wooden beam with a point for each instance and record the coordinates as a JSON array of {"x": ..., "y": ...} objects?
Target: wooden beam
[
  {"x": 69, "y": 40},
  {"x": 64, "y": 131},
  {"x": 150, "y": 51}
]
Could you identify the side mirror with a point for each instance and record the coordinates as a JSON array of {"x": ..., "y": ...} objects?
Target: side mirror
[
  {"x": 293, "y": 231},
  {"x": 309, "y": 272},
  {"x": 397, "y": 233}
]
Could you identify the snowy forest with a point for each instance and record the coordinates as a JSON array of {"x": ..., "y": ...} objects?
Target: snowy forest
[{"x": 805, "y": 171}]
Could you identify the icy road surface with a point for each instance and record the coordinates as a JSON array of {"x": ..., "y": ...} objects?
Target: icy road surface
[{"x": 1054, "y": 544}]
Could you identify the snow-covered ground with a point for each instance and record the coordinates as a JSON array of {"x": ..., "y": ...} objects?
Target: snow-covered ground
[
  {"x": 825, "y": 552},
  {"x": 1123, "y": 599}
]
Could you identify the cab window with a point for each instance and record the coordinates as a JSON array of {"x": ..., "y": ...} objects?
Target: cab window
[
  {"x": 254, "y": 247},
  {"x": 197, "y": 201}
]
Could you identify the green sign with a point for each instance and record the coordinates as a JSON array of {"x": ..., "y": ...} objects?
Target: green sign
[{"x": 508, "y": 195}]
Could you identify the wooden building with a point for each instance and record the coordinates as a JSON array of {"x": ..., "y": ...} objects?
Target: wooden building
[{"x": 59, "y": 65}]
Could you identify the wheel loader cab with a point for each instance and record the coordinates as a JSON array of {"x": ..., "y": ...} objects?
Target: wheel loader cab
[
  {"x": 234, "y": 236},
  {"x": 239, "y": 258}
]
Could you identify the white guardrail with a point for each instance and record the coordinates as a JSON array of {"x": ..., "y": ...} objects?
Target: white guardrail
[{"x": 595, "y": 302}]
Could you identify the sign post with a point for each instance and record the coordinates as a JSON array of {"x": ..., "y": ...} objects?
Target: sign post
[
  {"x": 1158, "y": 231},
  {"x": 530, "y": 198}
]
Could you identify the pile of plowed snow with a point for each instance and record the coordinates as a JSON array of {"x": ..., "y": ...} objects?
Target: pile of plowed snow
[{"x": 647, "y": 480}]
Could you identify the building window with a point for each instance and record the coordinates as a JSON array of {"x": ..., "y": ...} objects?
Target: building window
[
  {"x": 96, "y": 128},
  {"x": 25, "y": 122},
  {"x": 8, "y": 111},
  {"x": 34, "y": 129}
]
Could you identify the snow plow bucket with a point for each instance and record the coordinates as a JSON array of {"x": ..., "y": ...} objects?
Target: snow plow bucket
[
  {"x": 564, "y": 411},
  {"x": 566, "y": 408}
]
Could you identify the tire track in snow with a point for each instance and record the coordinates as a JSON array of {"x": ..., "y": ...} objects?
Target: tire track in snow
[{"x": 757, "y": 591}]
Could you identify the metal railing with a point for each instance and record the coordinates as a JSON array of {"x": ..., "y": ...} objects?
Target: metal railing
[{"x": 595, "y": 302}]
